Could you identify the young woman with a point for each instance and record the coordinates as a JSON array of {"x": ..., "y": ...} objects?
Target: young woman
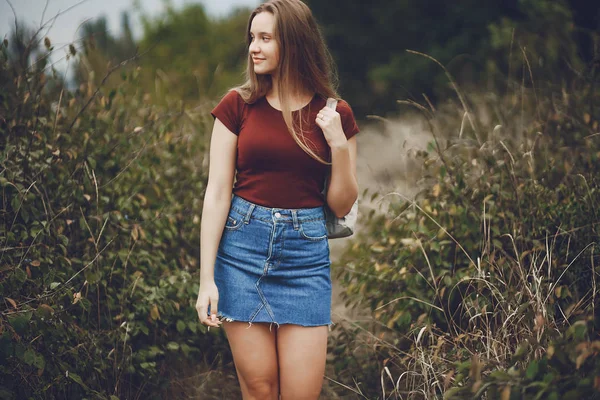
[{"x": 265, "y": 256}]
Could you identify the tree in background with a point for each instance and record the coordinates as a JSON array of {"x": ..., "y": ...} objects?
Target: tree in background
[
  {"x": 114, "y": 47},
  {"x": 102, "y": 49},
  {"x": 186, "y": 54},
  {"x": 472, "y": 38},
  {"x": 193, "y": 55},
  {"x": 586, "y": 15},
  {"x": 23, "y": 45}
]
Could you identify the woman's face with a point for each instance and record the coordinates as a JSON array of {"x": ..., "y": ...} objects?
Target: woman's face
[{"x": 264, "y": 49}]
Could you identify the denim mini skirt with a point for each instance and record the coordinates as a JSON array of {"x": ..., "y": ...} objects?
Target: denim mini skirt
[{"x": 273, "y": 266}]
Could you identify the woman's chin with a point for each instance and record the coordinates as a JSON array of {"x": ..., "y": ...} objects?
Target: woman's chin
[{"x": 259, "y": 71}]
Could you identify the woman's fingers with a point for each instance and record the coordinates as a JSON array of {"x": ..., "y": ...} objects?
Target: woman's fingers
[
  {"x": 320, "y": 123},
  {"x": 214, "y": 302},
  {"x": 202, "y": 309},
  {"x": 327, "y": 110},
  {"x": 327, "y": 114},
  {"x": 328, "y": 118}
]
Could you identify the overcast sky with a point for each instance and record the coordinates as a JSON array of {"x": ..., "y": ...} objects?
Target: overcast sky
[{"x": 64, "y": 28}]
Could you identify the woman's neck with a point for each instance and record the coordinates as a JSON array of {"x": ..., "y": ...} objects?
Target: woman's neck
[
  {"x": 296, "y": 100},
  {"x": 273, "y": 92}
]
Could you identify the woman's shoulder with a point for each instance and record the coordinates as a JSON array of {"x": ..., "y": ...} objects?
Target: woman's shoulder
[
  {"x": 230, "y": 110},
  {"x": 344, "y": 106},
  {"x": 344, "y": 109},
  {"x": 237, "y": 98},
  {"x": 348, "y": 120},
  {"x": 233, "y": 101},
  {"x": 232, "y": 96}
]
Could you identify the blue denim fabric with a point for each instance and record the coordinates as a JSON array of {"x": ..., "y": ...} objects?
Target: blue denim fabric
[{"x": 273, "y": 266}]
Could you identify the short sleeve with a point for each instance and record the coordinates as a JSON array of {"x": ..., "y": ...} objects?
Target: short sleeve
[
  {"x": 229, "y": 111},
  {"x": 348, "y": 122}
]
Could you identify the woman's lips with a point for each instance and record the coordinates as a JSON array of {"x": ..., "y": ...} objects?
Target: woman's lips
[{"x": 258, "y": 60}]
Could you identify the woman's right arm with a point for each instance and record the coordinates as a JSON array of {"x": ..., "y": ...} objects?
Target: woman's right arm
[{"x": 217, "y": 200}]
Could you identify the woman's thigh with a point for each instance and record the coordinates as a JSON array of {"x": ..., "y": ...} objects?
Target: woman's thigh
[
  {"x": 255, "y": 357},
  {"x": 301, "y": 352}
]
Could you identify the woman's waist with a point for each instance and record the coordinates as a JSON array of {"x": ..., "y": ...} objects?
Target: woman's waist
[{"x": 250, "y": 209}]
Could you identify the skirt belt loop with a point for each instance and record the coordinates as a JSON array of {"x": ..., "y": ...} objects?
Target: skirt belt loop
[
  {"x": 249, "y": 214},
  {"x": 295, "y": 219}
]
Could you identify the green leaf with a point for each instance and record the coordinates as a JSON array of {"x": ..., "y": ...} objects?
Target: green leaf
[
  {"x": 453, "y": 393},
  {"x": 532, "y": 370},
  {"x": 34, "y": 232},
  {"x": 15, "y": 203},
  {"x": 39, "y": 362},
  {"x": 144, "y": 329},
  {"x": 20, "y": 275},
  {"x": 173, "y": 346},
  {"x": 76, "y": 378},
  {"x": 464, "y": 366},
  {"x": 185, "y": 349},
  {"x": 500, "y": 375},
  {"x": 148, "y": 365},
  {"x": 193, "y": 326},
  {"x": 549, "y": 377},
  {"x": 19, "y": 351},
  {"x": 24, "y": 215},
  {"x": 443, "y": 172},
  {"x": 44, "y": 311},
  {"x": 180, "y": 326},
  {"x": 92, "y": 162},
  {"x": 521, "y": 351},
  {"x": 578, "y": 330},
  {"x": 84, "y": 303},
  {"x": 54, "y": 285},
  {"x": 29, "y": 356},
  {"x": 63, "y": 239},
  {"x": 20, "y": 321}
]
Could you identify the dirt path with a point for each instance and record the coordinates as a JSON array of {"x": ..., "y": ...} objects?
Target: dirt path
[{"x": 384, "y": 165}]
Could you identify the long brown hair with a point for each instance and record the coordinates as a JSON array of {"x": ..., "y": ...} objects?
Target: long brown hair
[{"x": 305, "y": 64}]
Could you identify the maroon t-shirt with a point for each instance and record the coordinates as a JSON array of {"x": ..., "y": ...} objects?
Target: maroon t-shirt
[{"x": 272, "y": 169}]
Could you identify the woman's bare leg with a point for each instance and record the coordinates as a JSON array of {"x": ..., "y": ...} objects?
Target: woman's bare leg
[
  {"x": 301, "y": 352},
  {"x": 255, "y": 357}
]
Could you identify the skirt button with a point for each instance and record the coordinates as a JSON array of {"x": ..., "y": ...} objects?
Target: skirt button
[{"x": 277, "y": 215}]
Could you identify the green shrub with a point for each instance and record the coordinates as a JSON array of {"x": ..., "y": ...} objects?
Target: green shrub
[{"x": 100, "y": 202}]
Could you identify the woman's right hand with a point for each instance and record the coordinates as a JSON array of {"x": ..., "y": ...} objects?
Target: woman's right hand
[{"x": 208, "y": 294}]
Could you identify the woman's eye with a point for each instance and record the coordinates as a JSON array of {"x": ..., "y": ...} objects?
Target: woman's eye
[{"x": 266, "y": 39}]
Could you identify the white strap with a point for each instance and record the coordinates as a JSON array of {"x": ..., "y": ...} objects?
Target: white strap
[{"x": 332, "y": 103}]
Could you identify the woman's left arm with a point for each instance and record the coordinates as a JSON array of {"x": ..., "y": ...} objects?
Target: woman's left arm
[{"x": 343, "y": 185}]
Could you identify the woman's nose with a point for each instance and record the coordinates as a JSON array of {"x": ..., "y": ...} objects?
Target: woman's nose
[{"x": 254, "y": 48}]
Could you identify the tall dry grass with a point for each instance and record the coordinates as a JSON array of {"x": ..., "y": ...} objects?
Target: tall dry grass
[{"x": 509, "y": 185}]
